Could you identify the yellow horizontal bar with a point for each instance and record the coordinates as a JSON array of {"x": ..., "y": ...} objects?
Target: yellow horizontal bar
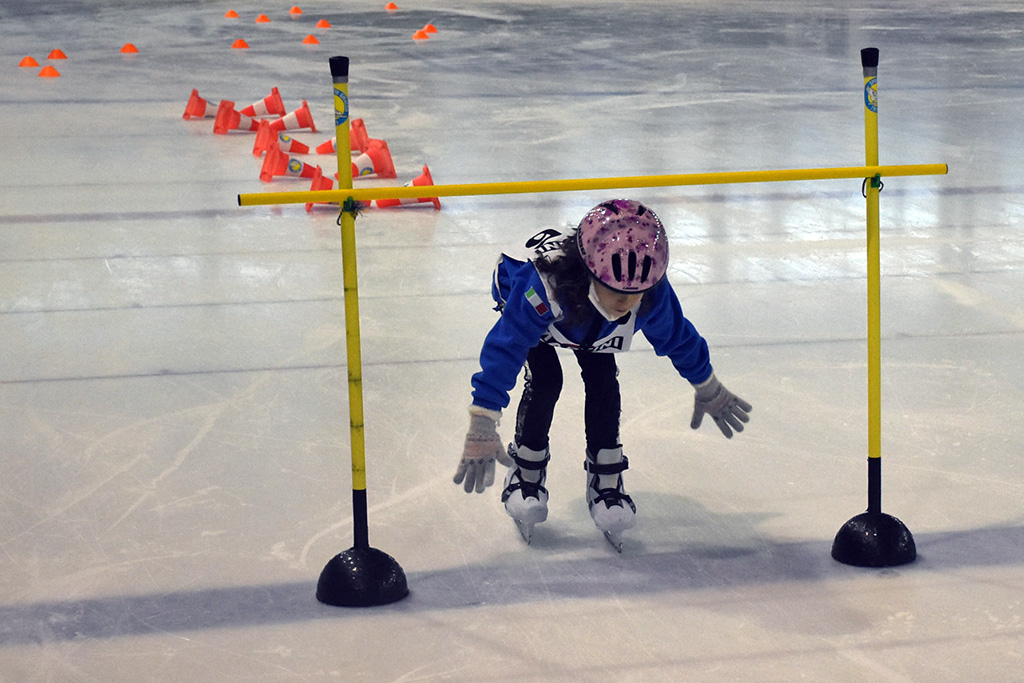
[{"x": 573, "y": 185}]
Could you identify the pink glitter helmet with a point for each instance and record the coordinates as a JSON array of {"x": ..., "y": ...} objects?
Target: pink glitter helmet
[{"x": 623, "y": 245}]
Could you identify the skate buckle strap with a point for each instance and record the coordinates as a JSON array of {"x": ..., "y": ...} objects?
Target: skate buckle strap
[
  {"x": 525, "y": 464},
  {"x": 615, "y": 468}
]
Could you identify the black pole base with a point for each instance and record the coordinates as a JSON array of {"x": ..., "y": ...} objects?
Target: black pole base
[
  {"x": 361, "y": 577},
  {"x": 874, "y": 539}
]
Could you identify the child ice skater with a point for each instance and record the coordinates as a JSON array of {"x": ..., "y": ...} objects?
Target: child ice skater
[{"x": 589, "y": 291}]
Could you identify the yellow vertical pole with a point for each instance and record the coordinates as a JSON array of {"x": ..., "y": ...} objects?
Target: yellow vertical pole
[
  {"x": 869, "y": 62},
  {"x": 347, "y": 221}
]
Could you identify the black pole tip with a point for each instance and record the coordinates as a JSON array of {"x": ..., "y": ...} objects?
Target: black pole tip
[
  {"x": 339, "y": 67},
  {"x": 361, "y": 577},
  {"x": 869, "y": 57},
  {"x": 874, "y": 539}
]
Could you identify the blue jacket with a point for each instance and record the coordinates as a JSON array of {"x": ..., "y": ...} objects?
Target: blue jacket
[{"x": 528, "y": 317}]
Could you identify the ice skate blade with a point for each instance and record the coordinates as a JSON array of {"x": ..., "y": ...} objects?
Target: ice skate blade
[
  {"x": 615, "y": 539},
  {"x": 525, "y": 530}
]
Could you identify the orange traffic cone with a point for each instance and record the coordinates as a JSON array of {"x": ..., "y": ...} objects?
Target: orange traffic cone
[
  {"x": 320, "y": 182},
  {"x": 57, "y": 54},
  {"x": 266, "y": 137},
  {"x": 263, "y": 19},
  {"x": 277, "y": 163},
  {"x": 310, "y": 40},
  {"x": 271, "y": 105},
  {"x": 300, "y": 118},
  {"x": 421, "y": 180},
  {"x": 240, "y": 45},
  {"x": 391, "y": 7},
  {"x": 197, "y": 107},
  {"x": 376, "y": 160},
  {"x": 420, "y": 35},
  {"x": 430, "y": 28},
  {"x": 49, "y": 72},
  {"x": 28, "y": 61},
  {"x": 323, "y": 23},
  {"x": 229, "y": 119},
  {"x": 358, "y": 140},
  {"x": 231, "y": 14},
  {"x": 129, "y": 49},
  {"x": 295, "y": 10}
]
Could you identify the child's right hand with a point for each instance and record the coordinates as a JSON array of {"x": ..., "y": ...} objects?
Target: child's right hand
[{"x": 483, "y": 446}]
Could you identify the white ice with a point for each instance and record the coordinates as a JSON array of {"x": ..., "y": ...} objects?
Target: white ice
[{"x": 175, "y": 460}]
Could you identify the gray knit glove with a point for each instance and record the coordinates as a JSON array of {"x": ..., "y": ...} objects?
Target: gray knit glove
[
  {"x": 482, "y": 448},
  {"x": 728, "y": 410}
]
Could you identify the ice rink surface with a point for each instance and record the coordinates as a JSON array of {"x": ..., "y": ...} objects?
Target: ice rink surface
[{"x": 175, "y": 461}]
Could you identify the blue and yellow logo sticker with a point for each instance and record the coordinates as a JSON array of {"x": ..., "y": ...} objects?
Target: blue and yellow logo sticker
[
  {"x": 871, "y": 94},
  {"x": 340, "y": 107}
]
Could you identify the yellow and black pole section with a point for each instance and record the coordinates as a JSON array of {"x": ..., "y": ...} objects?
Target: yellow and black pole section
[
  {"x": 873, "y": 539},
  {"x": 361, "y": 576}
]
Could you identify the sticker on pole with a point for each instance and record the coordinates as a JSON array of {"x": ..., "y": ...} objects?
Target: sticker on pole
[
  {"x": 871, "y": 95},
  {"x": 340, "y": 107}
]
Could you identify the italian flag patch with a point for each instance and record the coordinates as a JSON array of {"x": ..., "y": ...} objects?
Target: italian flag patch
[{"x": 535, "y": 301}]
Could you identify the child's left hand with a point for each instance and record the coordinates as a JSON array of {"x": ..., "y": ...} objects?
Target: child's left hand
[{"x": 728, "y": 410}]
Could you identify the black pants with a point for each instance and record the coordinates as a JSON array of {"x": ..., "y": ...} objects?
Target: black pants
[{"x": 543, "y": 384}]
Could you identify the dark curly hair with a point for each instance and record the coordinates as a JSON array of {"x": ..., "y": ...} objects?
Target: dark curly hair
[{"x": 572, "y": 281}]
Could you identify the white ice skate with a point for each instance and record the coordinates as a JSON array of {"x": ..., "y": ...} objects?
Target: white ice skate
[
  {"x": 525, "y": 498},
  {"x": 611, "y": 509}
]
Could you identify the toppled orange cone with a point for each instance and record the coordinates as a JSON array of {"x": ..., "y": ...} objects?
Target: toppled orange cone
[
  {"x": 300, "y": 118},
  {"x": 277, "y": 163},
  {"x": 320, "y": 182},
  {"x": 423, "y": 179},
  {"x": 376, "y": 160},
  {"x": 271, "y": 105},
  {"x": 28, "y": 61},
  {"x": 229, "y": 119},
  {"x": 358, "y": 140},
  {"x": 266, "y": 138},
  {"x": 197, "y": 107},
  {"x": 49, "y": 72}
]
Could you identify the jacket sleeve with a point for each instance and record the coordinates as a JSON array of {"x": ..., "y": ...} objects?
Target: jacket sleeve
[
  {"x": 672, "y": 335},
  {"x": 524, "y": 318}
]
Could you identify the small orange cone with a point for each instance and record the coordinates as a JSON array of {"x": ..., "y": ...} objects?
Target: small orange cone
[
  {"x": 391, "y": 7},
  {"x": 310, "y": 40},
  {"x": 28, "y": 61},
  {"x": 49, "y": 72},
  {"x": 263, "y": 19},
  {"x": 294, "y": 10},
  {"x": 129, "y": 49},
  {"x": 323, "y": 23},
  {"x": 57, "y": 54},
  {"x": 240, "y": 45},
  {"x": 231, "y": 14},
  {"x": 420, "y": 35},
  {"x": 423, "y": 179},
  {"x": 430, "y": 28}
]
